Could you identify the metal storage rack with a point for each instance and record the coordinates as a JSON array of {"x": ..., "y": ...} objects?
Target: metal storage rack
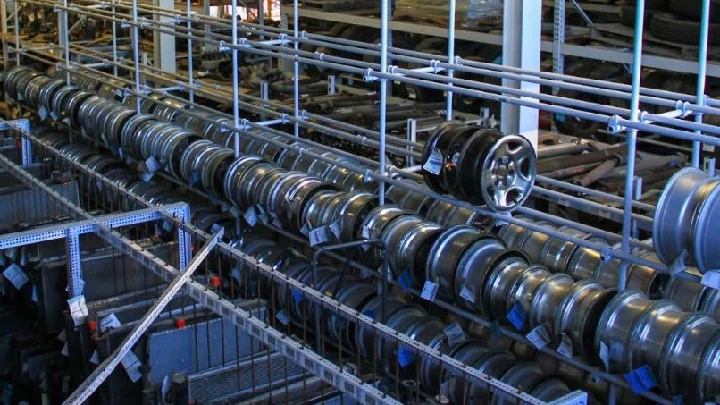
[{"x": 437, "y": 72}]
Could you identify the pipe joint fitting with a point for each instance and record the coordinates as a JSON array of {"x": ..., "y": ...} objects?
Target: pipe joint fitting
[
  {"x": 222, "y": 47},
  {"x": 435, "y": 65},
  {"x": 369, "y": 75},
  {"x": 245, "y": 125},
  {"x": 614, "y": 125}
]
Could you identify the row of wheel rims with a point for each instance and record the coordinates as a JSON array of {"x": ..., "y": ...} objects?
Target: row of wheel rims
[
  {"x": 482, "y": 166},
  {"x": 530, "y": 296}
]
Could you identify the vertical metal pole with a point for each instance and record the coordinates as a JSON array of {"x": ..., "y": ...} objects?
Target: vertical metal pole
[
  {"x": 261, "y": 15},
  {"x": 702, "y": 72},
  {"x": 136, "y": 52},
  {"x": 3, "y": 29},
  {"x": 451, "y": 56},
  {"x": 296, "y": 68},
  {"x": 236, "y": 112},
  {"x": 632, "y": 140},
  {"x": 16, "y": 23},
  {"x": 559, "y": 39},
  {"x": 637, "y": 196},
  {"x": 114, "y": 40},
  {"x": 64, "y": 38},
  {"x": 191, "y": 83},
  {"x": 411, "y": 133},
  {"x": 521, "y": 48},
  {"x": 264, "y": 96},
  {"x": 384, "y": 24}
]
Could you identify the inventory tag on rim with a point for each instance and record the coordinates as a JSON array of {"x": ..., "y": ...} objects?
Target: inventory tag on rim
[
  {"x": 712, "y": 279},
  {"x": 429, "y": 291},
  {"x": 109, "y": 322},
  {"x": 405, "y": 357},
  {"x": 565, "y": 347},
  {"x": 516, "y": 316},
  {"x": 282, "y": 317},
  {"x": 78, "y": 309},
  {"x": 434, "y": 162},
  {"x": 16, "y": 276},
  {"x": 454, "y": 333},
  {"x": 319, "y": 235},
  {"x": 132, "y": 366},
  {"x": 538, "y": 337},
  {"x": 251, "y": 216},
  {"x": 467, "y": 294},
  {"x": 641, "y": 379},
  {"x": 604, "y": 354},
  {"x": 95, "y": 359},
  {"x": 405, "y": 280}
]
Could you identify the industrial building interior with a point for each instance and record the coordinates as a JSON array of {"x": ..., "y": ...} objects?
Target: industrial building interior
[{"x": 355, "y": 201}]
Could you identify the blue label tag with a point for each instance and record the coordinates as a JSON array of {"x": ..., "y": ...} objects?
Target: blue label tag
[
  {"x": 560, "y": 117},
  {"x": 194, "y": 179},
  {"x": 641, "y": 379},
  {"x": 405, "y": 357},
  {"x": 297, "y": 295},
  {"x": 405, "y": 280},
  {"x": 677, "y": 399},
  {"x": 370, "y": 313},
  {"x": 516, "y": 316}
]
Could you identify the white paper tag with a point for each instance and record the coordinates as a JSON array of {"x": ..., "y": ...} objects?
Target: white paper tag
[
  {"x": 65, "y": 350},
  {"x": 319, "y": 235},
  {"x": 251, "y": 216},
  {"x": 467, "y": 294},
  {"x": 152, "y": 164},
  {"x": 109, "y": 322},
  {"x": 166, "y": 385},
  {"x": 305, "y": 229},
  {"x": 538, "y": 337},
  {"x": 10, "y": 253},
  {"x": 604, "y": 354},
  {"x": 61, "y": 336},
  {"x": 78, "y": 309},
  {"x": 454, "y": 333},
  {"x": 132, "y": 366},
  {"x": 167, "y": 226},
  {"x": 95, "y": 359},
  {"x": 216, "y": 228},
  {"x": 234, "y": 212},
  {"x": 35, "y": 297},
  {"x": 282, "y": 317},
  {"x": 429, "y": 291},
  {"x": 336, "y": 228},
  {"x": 147, "y": 176},
  {"x": 434, "y": 162},
  {"x": 712, "y": 279},
  {"x": 565, "y": 347},
  {"x": 15, "y": 275},
  {"x": 365, "y": 232}
]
